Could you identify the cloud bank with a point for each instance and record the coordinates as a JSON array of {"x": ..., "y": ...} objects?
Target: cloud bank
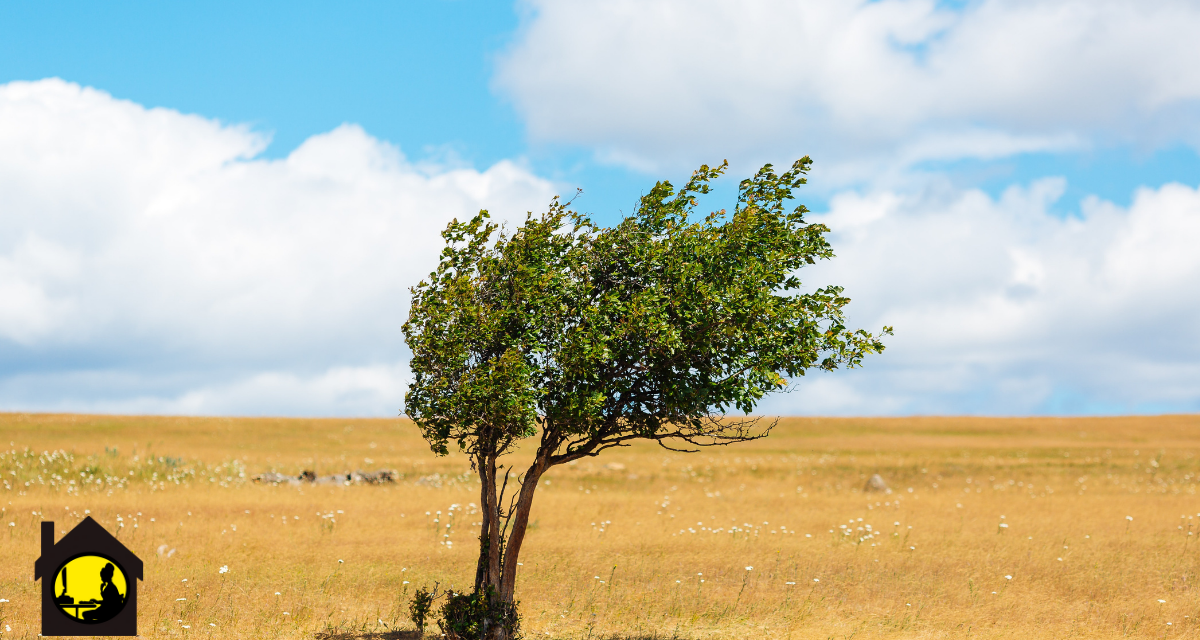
[
  {"x": 868, "y": 88},
  {"x": 1000, "y": 304},
  {"x": 151, "y": 262},
  {"x": 1003, "y": 307}
]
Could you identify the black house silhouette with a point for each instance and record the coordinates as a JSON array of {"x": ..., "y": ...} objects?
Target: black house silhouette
[{"x": 86, "y": 538}]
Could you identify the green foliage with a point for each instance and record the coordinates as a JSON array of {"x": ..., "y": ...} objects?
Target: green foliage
[
  {"x": 479, "y": 327},
  {"x": 473, "y": 616},
  {"x": 419, "y": 608},
  {"x": 652, "y": 329}
]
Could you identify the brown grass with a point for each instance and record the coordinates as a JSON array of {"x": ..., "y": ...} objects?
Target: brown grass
[{"x": 618, "y": 548}]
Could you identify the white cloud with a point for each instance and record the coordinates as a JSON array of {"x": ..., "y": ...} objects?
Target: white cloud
[
  {"x": 150, "y": 259},
  {"x": 1001, "y": 306},
  {"x": 862, "y": 86},
  {"x": 151, "y": 262},
  {"x": 370, "y": 390}
]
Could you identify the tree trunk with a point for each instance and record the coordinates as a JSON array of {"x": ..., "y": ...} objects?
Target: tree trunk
[
  {"x": 486, "y": 489},
  {"x": 517, "y": 535},
  {"x": 492, "y": 579},
  {"x": 487, "y": 573},
  {"x": 496, "y": 571}
]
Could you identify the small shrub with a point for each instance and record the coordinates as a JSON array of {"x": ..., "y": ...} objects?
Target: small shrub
[
  {"x": 421, "y": 605},
  {"x": 477, "y": 615}
]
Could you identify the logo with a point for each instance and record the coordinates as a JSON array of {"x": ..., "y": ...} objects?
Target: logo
[
  {"x": 98, "y": 593},
  {"x": 89, "y": 583}
]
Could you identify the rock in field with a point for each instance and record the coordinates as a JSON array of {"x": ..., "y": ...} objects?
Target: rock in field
[
  {"x": 876, "y": 483},
  {"x": 383, "y": 476}
]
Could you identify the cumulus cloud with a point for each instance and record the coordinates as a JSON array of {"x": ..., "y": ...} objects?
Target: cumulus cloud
[
  {"x": 151, "y": 261},
  {"x": 867, "y": 87},
  {"x": 1001, "y": 306}
]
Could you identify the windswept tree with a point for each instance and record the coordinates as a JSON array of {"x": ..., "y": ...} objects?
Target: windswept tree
[{"x": 582, "y": 338}]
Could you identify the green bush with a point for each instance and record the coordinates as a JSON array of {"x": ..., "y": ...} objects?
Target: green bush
[
  {"x": 420, "y": 607},
  {"x": 476, "y": 616}
]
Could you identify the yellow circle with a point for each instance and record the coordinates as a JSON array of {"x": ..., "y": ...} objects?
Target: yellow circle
[{"x": 90, "y": 588}]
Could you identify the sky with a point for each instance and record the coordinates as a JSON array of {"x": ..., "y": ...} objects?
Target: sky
[{"x": 218, "y": 208}]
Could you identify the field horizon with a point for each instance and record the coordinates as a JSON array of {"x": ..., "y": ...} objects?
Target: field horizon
[{"x": 1040, "y": 527}]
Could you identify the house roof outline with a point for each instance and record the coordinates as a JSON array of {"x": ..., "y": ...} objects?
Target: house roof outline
[{"x": 87, "y": 537}]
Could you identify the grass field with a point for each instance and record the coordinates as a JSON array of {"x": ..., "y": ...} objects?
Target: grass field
[{"x": 996, "y": 528}]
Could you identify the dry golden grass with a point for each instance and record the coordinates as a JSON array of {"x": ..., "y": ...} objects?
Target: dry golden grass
[{"x": 639, "y": 543}]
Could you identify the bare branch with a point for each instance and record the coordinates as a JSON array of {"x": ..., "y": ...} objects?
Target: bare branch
[{"x": 670, "y": 448}]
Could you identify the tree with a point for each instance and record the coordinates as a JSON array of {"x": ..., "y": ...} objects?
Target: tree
[{"x": 587, "y": 338}]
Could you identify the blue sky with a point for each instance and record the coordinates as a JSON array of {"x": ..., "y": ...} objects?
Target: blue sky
[
  {"x": 413, "y": 73},
  {"x": 416, "y": 74},
  {"x": 217, "y": 208}
]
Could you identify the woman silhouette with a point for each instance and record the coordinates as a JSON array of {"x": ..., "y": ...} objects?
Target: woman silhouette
[{"x": 111, "y": 600}]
